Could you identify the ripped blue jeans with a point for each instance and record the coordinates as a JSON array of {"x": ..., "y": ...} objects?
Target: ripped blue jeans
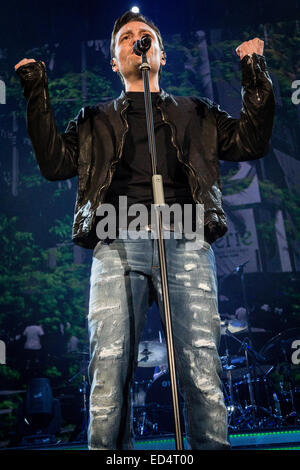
[{"x": 119, "y": 299}]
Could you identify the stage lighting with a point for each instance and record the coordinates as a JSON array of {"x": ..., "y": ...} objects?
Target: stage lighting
[{"x": 135, "y": 9}]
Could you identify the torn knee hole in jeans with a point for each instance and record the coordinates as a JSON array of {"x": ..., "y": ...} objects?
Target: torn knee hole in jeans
[
  {"x": 199, "y": 348},
  {"x": 203, "y": 343},
  {"x": 190, "y": 266},
  {"x": 102, "y": 412},
  {"x": 204, "y": 286},
  {"x": 114, "y": 351},
  {"x": 187, "y": 278}
]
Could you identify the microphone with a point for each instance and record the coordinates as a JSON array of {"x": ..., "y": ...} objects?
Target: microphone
[{"x": 142, "y": 45}]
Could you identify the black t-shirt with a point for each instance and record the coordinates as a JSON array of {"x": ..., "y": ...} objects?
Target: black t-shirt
[{"x": 133, "y": 175}]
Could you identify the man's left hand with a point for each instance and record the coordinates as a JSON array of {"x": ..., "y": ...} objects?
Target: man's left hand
[{"x": 248, "y": 47}]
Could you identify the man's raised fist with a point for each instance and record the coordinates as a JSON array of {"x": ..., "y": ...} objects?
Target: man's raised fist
[{"x": 249, "y": 47}]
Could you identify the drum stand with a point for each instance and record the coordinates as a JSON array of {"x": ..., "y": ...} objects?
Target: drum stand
[
  {"x": 251, "y": 411},
  {"x": 233, "y": 406},
  {"x": 82, "y": 436},
  {"x": 253, "y": 407},
  {"x": 229, "y": 367},
  {"x": 278, "y": 351},
  {"x": 287, "y": 375},
  {"x": 139, "y": 416}
]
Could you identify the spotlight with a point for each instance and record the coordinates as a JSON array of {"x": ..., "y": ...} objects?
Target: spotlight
[{"x": 135, "y": 9}]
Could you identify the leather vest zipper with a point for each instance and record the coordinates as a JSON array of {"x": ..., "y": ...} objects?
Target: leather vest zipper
[{"x": 112, "y": 166}]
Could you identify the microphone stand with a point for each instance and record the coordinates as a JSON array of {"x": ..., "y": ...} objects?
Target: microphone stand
[
  {"x": 256, "y": 358},
  {"x": 240, "y": 270},
  {"x": 140, "y": 48}
]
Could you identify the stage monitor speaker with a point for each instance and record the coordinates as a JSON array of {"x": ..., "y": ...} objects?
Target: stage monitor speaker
[{"x": 39, "y": 402}]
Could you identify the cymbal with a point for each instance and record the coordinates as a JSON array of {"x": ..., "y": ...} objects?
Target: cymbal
[
  {"x": 234, "y": 326},
  {"x": 237, "y": 326},
  {"x": 226, "y": 367},
  {"x": 151, "y": 354},
  {"x": 239, "y": 360},
  {"x": 235, "y": 361}
]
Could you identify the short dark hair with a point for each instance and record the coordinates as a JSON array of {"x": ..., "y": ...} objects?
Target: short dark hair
[{"x": 126, "y": 18}]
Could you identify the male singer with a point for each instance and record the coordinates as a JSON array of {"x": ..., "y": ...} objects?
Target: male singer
[{"x": 106, "y": 147}]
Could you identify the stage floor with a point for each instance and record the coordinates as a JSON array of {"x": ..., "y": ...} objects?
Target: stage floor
[{"x": 285, "y": 439}]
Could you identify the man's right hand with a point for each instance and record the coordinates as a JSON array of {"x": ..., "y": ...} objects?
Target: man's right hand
[{"x": 24, "y": 62}]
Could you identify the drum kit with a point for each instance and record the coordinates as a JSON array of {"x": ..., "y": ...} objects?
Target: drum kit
[
  {"x": 261, "y": 388},
  {"x": 152, "y": 412}
]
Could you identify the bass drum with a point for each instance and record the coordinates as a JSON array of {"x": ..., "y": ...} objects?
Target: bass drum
[{"x": 159, "y": 405}]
